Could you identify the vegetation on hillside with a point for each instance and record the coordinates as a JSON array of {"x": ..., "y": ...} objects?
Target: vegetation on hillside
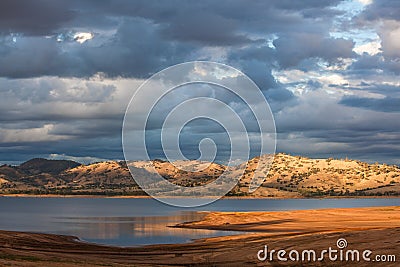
[{"x": 280, "y": 176}]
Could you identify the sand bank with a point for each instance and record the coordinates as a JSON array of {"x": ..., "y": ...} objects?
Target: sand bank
[{"x": 376, "y": 229}]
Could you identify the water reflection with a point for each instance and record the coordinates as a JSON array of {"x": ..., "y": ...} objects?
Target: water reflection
[
  {"x": 130, "y": 222},
  {"x": 128, "y": 231}
]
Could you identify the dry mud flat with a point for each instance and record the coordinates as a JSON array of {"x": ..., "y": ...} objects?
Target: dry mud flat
[{"x": 375, "y": 229}]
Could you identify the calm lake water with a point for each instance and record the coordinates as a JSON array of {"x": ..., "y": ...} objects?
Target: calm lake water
[{"x": 141, "y": 221}]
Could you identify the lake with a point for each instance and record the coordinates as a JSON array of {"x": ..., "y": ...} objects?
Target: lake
[{"x": 141, "y": 221}]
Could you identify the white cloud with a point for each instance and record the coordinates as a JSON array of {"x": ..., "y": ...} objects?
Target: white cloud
[
  {"x": 82, "y": 37},
  {"x": 371, "y": 48},
  {"x": 389, "y": 32},
  {"x": 30, "y": 135},
  {"x": 365, "y": 2},
  {"x": 84, "y": 160},
  {"x": 54, "y": 108},
  {"x": 300, "y": 78}
]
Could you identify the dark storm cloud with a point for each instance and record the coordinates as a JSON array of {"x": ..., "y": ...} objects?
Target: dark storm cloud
[
  {"x": 292, "y": 49},
  {"x": 150, "y": 36},
  {"x": 382, "y": 9},
  {"x": 367, "y": 65},
  {"x": 384, "y": 16},
  {"x": 41, "y": 54},
  {"x": 227, "y": 15},
  {"x": 102, "y": 148},
  {"x": 387, "y": 104},
  {"x": 40, "y": 17},
  {"x": 134, "y": 39},
  {"x": 257, "y": 63},
  {"x": 383, "y": 89},
  {"x": 260, "y": 71},
  {"x": 136, "y": 49},
  {"x": 208, "y": 29}
]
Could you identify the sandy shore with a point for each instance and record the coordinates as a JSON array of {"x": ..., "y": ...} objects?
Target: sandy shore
[{"x": 376, "y": 229}]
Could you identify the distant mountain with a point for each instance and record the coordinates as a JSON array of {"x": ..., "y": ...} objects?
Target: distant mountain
[
  {"x": 38, "y": 165},
  {"x": 288, "y": 177},
  {"x": 33, "y": 175}
]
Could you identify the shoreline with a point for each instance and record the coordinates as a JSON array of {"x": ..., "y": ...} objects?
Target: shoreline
[
  {"x": 224, "y": 197},
  {"x": 374, "y": 228}
]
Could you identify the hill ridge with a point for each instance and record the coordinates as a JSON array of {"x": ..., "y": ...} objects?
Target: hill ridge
[{"x": 287, "y": 175}]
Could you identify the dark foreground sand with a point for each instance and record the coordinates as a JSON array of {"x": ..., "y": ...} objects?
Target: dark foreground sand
[{"x": 376, "y": 229}]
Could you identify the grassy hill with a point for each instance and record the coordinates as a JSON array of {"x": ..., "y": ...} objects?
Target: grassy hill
[
  {"x": 301, "y": 176},
  {"x": 288, "y": 177}
]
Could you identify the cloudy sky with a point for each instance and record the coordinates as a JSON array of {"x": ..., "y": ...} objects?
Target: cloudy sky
[{"x": 329, "y": 69}]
